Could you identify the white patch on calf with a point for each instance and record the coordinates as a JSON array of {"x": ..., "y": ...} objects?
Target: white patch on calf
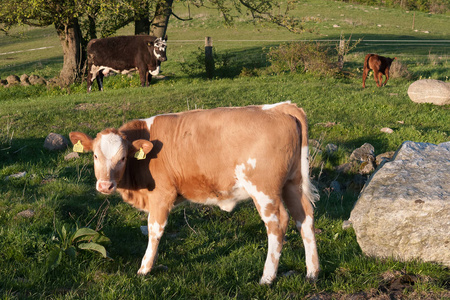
[
  {"x": 270, "y": 268},
  {"x": 262, "y": 199},
  {"x": 110, "y": 144},
  {"x": 155, "y": 231},
  {"x": 309, "y": 241},
  {"x": 149, "y": 122},
  {"x": 238, "y": 193},
  {"x": 270, "y": 106},
  {"x": 252, "y": 162}
]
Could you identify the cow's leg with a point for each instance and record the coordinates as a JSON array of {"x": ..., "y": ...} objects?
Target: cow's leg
[
  {"x": 99, "y": 79},
  {"x": 89, "y": 80},
  {"x": 149, "y": 78},
  {"x": 143, "y": 76},
  {"x": 157, "y": 220},
  {"x": 275, "y": 218},
  {"x": 302, "y": 211}
]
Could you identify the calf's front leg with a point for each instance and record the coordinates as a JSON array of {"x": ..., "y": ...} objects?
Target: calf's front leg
[{"x": 157, "y": 220}]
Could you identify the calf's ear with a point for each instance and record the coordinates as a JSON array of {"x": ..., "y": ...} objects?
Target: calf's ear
[
  {"x": 85, "y": 140},
  {"x": 137, "y": 145}
]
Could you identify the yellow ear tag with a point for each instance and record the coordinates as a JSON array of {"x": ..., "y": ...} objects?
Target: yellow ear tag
[
  {"x": 140, "y": 154},
  {"x": 78, "y": 147}
]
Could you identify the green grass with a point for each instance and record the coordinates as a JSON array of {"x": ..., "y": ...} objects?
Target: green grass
[{"x": 209, "y": 253}]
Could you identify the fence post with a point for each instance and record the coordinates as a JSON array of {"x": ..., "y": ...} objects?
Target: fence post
[{"x": 209, "y": 59}]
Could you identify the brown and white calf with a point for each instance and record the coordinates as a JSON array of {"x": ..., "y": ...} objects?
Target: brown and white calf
[
  {"x": 380, "y": 65},
  {"x": 214, "y": 157}
]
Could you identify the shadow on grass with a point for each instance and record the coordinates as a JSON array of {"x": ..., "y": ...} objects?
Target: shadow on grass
[
  {"x": 231, "y": 63},
  {"x": 47, "y": 68}
]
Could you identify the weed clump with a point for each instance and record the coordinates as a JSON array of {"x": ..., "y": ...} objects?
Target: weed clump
[
  {"x": 400, "y": 70},
  {"x": 303, "y": 57}
]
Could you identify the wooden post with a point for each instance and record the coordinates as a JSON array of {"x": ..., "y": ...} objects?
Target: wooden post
[
  {"x": 209, "y": 59},
  {"x": 414, "y": 19}
]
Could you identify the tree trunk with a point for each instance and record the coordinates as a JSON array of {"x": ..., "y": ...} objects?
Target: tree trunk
[
  {"x": 92, "y": 31},
  {"x": 142, "y": 25},
  {"x": 142, "y": 22},
  {"x": 161, "y": 20},
  {"x": 70, "y": 38}
]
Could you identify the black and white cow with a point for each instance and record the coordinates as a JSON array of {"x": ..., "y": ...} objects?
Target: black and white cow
[{"x": 124, "y": 54}]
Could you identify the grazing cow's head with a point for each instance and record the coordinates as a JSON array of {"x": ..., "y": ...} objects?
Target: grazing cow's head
[
  {"x": 111, "y": 151},
  {"x": 159, "y": 48}
]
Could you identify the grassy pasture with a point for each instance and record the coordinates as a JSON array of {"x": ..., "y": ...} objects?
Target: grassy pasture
[{"x": 209, "y": 253}]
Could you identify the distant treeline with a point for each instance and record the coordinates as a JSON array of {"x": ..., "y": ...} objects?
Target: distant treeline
[{"x": 432, "y": 6}]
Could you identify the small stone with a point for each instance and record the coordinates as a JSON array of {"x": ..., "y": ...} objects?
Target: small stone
[
  {"x": 330, "y": 149},
  {"x": 144, "y": 230},
  {"x": 289, "y": 273},
  {"x": 24, "y": 80},
  {"x": 363, "y": 153},
  {"x": 55, "y": 141},
  {"x": 386, "y": 130},
  {"x": 384, "y": 157},
  {"x": 71, "y": 155},
  {"x": 12, "y": 80},
  {"x": 29, "y": 213},
  {"x": 346, "y": 224},
  {"x": 366, "y": 168},
  {"x": 346, "y": 168},
  {"x": 36, "y": 80},
  {"x": 161, "y": 268},
  {"x": 17, "y": 175},
  {"x": 335, "y": 186}
]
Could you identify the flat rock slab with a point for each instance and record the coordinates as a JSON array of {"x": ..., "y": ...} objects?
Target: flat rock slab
[{"x": 404, "y": 209}]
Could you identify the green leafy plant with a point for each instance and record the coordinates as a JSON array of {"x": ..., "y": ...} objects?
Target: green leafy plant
[{"x": 69, "y": 242}]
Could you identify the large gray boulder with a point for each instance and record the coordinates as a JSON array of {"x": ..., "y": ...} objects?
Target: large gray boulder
[
  {"x": 430, "y": 91},
  {"x": 404, "y": 209}
]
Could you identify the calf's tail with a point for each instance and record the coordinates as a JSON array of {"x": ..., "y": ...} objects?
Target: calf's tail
[{"x": 308, "y": 189}]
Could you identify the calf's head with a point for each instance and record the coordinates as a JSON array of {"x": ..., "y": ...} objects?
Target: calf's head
[
  {"x": 159, "y": 48},
  {"x": 111, "y": 152}
]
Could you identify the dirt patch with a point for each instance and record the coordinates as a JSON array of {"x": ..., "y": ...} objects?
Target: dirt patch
[{"x": 394, "y": 285}]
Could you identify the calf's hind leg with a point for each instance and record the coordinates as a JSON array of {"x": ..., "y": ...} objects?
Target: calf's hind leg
[
  {"x": 365, "y": 72},
  {"x": 302, "y": 211},
  {"x": 275, "y": 218}
]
